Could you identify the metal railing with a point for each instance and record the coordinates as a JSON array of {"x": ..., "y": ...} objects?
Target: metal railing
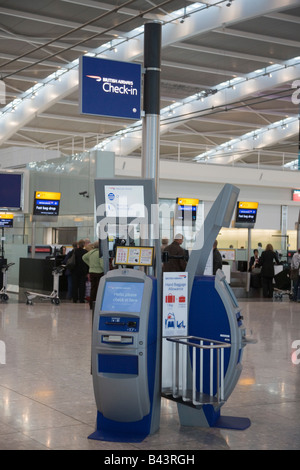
[{"x": 185, "y": 387}]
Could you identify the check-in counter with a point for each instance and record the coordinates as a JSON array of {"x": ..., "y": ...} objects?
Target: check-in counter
[{"x": 36, "y": 274}]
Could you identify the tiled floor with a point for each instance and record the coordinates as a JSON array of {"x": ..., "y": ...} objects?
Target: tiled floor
[{"x": 46, "y": 393}]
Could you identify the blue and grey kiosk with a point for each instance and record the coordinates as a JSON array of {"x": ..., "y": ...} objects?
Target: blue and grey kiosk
[
  {"x": 126, "y": 338},
  {"x": 126, "y": 359},
  {"x": 124, "y": 355},
  {"x": 210, "y": 363}
]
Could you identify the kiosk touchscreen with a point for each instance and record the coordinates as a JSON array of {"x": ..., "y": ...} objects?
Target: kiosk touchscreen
[{"x": 124, "y": 359}]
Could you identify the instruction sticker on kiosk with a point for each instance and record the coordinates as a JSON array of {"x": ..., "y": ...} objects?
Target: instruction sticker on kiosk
[{"x": 134, "y": 256}]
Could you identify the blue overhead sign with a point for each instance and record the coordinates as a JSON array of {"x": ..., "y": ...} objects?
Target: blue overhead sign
[{"x": 110, "y": 88}]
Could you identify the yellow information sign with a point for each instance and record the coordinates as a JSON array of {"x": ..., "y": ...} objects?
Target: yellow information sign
[
  {"x": 248, "y": 205},
  {"x": 187, "y": 201},
  {"x": 6, "y": 216},
  {"x": 47, "y": 195}
]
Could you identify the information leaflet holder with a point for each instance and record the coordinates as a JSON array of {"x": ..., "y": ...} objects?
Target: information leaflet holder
[{"x": 126, "y": 351}]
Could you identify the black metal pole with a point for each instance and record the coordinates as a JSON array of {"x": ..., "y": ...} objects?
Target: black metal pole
[
  {"x": 151, "y": 120},
  {"x": 152, "y": 64}
]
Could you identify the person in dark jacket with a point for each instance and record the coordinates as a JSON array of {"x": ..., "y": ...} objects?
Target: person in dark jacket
[
  {"x": 68, "y": 272},
  {"x": 177, "y": 255},
  {"x": 267, "y": 259},
  {"x": 79, "y": 274},
  {"x": 217, "y": 258}
]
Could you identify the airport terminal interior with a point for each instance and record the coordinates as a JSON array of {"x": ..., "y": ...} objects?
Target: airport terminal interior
[
  {"x": 47, "y": 399},
  {"x": 186, "y": 115}
]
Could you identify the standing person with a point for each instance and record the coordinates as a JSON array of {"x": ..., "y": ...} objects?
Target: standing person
[
  {"x": 255, "y": 270},
  {"x": 267, "y": 270},
  {"x": 95, "y": 264},
  {"x": 79, "y": 274},
  {"x": 254, "y": 260},
  {"x": 177, "y": 255},
  {"x": 68, "y": 271},
  {"x": 217, "y": 258},
  {"x": 295, "y": 265},
  {"x": 164, "y": 243}
]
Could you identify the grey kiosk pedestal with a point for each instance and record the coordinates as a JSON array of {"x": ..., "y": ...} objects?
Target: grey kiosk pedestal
[{"x": 126, "y": 344}]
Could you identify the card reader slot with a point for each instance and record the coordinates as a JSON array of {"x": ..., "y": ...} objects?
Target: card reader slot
[{"x": 114, "y": 323}]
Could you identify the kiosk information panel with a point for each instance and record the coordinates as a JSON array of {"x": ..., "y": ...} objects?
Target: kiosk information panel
[{"x": 124, "y": 356}]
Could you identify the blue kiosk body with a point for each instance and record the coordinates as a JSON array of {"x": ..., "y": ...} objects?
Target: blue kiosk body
[
  {"x": 124, "y": 362},
  {"x": 126, "y": 338},
  {"x": 213, "y": 315},
  {"x": 218, "y": 319}
]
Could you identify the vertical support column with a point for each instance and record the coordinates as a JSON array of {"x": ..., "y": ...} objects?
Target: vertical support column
[
  {"x": 299, "y": 141},
  {"x": 284, "y": 238},
  {"x": 298, "y": 231},
  {"x": 150, "y": 170},
  {"x": 248, "y": 277},
  {"x": 151, "y": 120}
]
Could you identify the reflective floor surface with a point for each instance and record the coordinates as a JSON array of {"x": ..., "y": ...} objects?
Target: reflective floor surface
[{"x": 46, "y": 392}]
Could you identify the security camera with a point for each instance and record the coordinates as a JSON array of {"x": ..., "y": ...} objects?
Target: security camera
[{"x": 84, "y": 194}]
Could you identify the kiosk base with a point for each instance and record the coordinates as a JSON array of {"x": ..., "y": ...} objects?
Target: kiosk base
[
  {"x": 208, "y": 417},
  {"x": 233, "y": 422},
  {"x": 111, "y": 431}
]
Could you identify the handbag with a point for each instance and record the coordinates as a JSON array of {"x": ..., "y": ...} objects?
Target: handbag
[
  {"x": 294, "y": 273},
  {"x": 256, "y": 271},
  {"x": 70, "y": 264}
]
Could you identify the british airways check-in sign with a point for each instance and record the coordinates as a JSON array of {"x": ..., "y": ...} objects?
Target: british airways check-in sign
[{"x": 110, "y": 88}]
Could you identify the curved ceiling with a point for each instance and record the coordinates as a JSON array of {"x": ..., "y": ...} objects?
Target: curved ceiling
[{"x": 230, "y": 76}]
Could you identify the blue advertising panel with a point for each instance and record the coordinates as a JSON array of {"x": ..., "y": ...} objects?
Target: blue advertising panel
[{"x": 110, "y": 88}]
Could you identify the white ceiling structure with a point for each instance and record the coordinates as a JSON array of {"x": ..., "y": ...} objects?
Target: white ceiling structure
[{"x": 230, "y": 77}]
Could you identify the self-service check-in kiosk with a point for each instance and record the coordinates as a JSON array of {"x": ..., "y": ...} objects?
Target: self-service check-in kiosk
[
  {"x": 124, "y": 355},
  {"x": 126, "y": 327},
  {"x": 207, "y": 367}
]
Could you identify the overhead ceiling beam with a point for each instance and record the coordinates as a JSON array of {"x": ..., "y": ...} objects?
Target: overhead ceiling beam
[
  {"x": 257, "y": 37},
  {"x": 204, "y": 20},
  {"x": 224, "y": 52},
  {"x": 231, "y": 152},
  {"x": 51, "y": 20},
  {"x": 221, "y": 100}
]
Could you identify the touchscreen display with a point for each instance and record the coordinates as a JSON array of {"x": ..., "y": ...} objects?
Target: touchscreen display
[{"x": 122, "y": 296}]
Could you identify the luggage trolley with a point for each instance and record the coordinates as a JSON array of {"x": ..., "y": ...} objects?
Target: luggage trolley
[
  {"x": 3, "y": 291},
  {"x": 283, "y": 285},
  {"x": 54, "y": 296}
]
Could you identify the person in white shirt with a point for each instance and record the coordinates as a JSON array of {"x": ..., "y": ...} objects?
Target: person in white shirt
[{"x": 295, "y": 265}]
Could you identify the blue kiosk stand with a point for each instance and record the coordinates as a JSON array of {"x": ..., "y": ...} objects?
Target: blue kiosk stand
[
  {"x": 124, "y": 356},
  {"x": 216, "y": 336},
  {"x": 126, "y": 349},
  {"x": 126, "y": 339}
]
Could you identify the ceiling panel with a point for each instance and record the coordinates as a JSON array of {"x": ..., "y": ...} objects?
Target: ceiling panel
[{"x": 40, "y": 38}]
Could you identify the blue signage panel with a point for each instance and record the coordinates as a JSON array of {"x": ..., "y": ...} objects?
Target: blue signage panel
[{"x": 110, "y": 88}]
